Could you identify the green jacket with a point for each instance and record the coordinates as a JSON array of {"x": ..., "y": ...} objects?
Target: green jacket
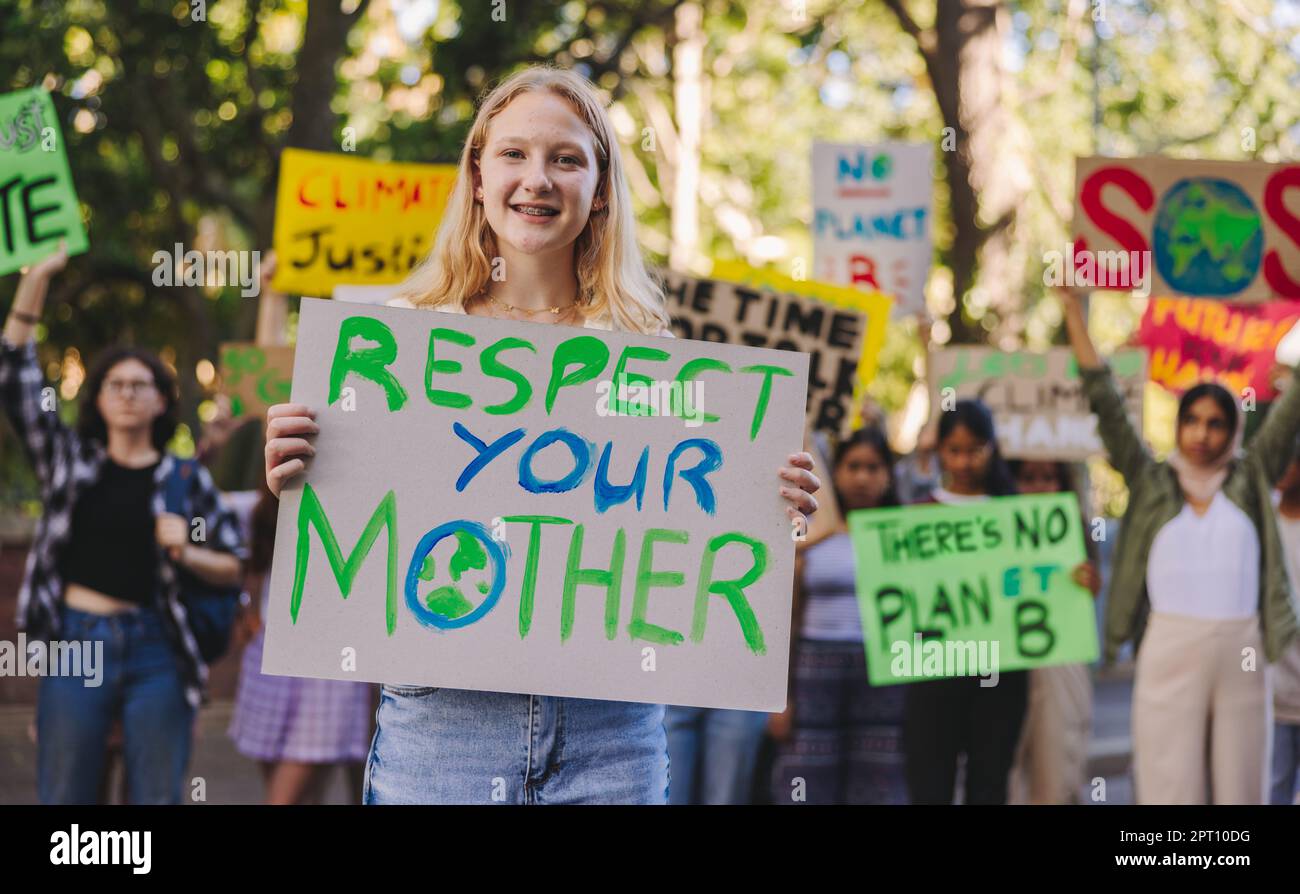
[{"x": 1155, "y": 497}]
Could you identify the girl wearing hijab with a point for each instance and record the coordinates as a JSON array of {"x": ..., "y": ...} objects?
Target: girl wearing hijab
[{"x": 1199, "y": 583}]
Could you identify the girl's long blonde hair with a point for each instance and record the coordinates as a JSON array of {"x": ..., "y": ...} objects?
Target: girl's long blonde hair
[{"x": 612, "y": 276}]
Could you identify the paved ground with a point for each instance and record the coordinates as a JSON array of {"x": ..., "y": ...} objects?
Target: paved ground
[
  {"x": 1110, "y": 750},
  {"x": 228, "y": 777},
  {"x": 232, "y": 779}
]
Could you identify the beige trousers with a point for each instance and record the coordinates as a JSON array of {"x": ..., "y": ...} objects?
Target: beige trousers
[
  {"x": 1202, "y": 708},
  {"x": 1053, "y": 752}
]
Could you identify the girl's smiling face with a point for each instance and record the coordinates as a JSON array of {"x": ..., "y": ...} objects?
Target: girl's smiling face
[{"x": 537, "y": 174}]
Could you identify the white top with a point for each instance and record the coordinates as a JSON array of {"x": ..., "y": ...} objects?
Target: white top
[
  {"x": 943, "y": 495},
  {"x": 831, "y": 612},
  {"x": 1206, "y": 566}
]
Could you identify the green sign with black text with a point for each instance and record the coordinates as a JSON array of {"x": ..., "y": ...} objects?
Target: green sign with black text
[
  {"x": 38, "y": 205},
  {"x": 972, "y": 589}
]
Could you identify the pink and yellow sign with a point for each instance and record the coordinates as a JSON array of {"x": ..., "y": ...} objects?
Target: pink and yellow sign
[{"x": 1190, "y": 341}]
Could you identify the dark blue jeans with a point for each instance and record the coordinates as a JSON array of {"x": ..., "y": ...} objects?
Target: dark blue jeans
[{"x": 141, "y": 685}]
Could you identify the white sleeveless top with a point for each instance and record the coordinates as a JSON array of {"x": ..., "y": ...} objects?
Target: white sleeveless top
[{"x": 1206, "y": 566}]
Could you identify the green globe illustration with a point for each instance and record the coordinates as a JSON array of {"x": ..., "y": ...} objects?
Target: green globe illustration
[
  {"x": 1208, "y": 239},
  {"x": 460, "y": 595}
]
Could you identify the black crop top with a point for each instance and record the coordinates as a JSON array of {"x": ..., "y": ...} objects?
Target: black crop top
[{"x": 112, "y": 547}]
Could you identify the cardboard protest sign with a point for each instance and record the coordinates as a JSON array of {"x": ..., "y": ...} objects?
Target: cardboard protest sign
[
  {"x": 1201, "y": 229},
  {"x": 872, "y": 211},
  {"x": 1193, "y": 340},
  {"x": 1037, "y": 399},
  {"x": 972, "y": 589},
  {"x": 483, "y": 512},
  {"x": 38, "y": 205},
  {"x": 841, "y": 328},
  {"x": 255, "y": 376},
  {"x": 345, "y": 220}
]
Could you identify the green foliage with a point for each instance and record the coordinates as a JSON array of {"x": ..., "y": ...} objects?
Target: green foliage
[{"x": 174, "y": 126}]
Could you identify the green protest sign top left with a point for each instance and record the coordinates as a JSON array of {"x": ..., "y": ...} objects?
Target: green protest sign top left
[{"x": 38, "y": 205}]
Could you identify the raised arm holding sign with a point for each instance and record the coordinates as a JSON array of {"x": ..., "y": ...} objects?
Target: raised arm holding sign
[{"x": 1198, "y": 582}]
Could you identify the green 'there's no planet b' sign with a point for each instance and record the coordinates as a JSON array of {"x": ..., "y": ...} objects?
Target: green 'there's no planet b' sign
[
  {"x": 38, "y": 205},
  {"x": 482, "y": 513},
  {"x": 972, "y": 589}
]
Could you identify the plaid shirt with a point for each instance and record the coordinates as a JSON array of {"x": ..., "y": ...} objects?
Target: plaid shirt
[{"x": 66, "y": 465}]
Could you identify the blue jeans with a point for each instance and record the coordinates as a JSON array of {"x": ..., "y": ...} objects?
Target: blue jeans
[
  {"x": 713, "y": 753},
  {"x": 1286, "y": 763},
  {"x": 141, "y": 685},
  {"x": 455, "y": 746}
]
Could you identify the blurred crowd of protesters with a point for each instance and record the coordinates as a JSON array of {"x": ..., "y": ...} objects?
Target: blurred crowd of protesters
[
  {"x": 1199, "y": 579},
  {"x": 1201, "y": 573}
]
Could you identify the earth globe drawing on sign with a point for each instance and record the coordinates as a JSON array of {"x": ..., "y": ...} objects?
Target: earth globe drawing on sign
[
  {"x": 1208, "y": 237},
  {"x": 456, "y": 576}
]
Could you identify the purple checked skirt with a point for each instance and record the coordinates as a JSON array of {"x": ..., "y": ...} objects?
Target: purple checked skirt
[{"x": 299, "y": 719}]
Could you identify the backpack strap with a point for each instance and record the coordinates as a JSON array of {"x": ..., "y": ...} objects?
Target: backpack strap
[{"x": 180, "y": 484}]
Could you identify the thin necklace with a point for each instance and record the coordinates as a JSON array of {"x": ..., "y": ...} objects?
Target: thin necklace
[{"x": 553, "y": 309}]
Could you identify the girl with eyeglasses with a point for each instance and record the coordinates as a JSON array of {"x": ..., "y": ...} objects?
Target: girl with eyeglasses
[{"x": 105, "y": 564}]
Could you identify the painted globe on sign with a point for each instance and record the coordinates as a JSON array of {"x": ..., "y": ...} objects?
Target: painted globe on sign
[
  {"x": 461, "y": 588},
  {"x": 1208, "y": 238}
]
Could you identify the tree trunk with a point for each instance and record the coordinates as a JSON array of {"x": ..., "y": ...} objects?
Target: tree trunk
[
  {"x": 323, "y": 43},
  {"x": 986, "y": 174},
  {"x": 313, "y": 127},
  {"x": 688, "y": 110}
]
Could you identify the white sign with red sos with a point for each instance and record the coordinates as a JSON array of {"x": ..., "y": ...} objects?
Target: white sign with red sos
[{"x": 1209, "y": 229}]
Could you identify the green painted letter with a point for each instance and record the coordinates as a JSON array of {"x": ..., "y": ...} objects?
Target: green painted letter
[
  {"x": 611, "y": 580},
  {"x": 491, "y": 366},
  {"x": 587, "y": 350},
  {"x": 764, "y": 393},
  {"x": 646, "y": 578},
  {"x": 526, "y": 593},
  {"x": 453, "y": 399},
  {"x": 310, "y": 512},
  {"x": 734, "y": 590},
  {"x": 369, "y": 363}
]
